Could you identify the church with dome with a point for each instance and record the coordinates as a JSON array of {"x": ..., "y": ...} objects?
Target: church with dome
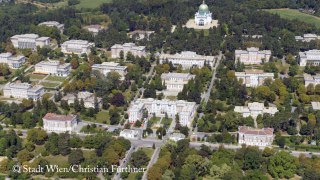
[{"x": 203, "y": 16}]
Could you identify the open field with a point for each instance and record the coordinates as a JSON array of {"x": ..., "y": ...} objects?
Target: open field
[
  {"x": 295, "y": 14},
  {"x": 49, "y": 85},
  {"x": 37, "y": 76},
  {"x": 91, "y": 3},
  {"x": 56, "y": 78}
]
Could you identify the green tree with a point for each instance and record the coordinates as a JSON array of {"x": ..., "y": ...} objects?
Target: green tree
[
  {"x": 76, "y": 157},
  {"x": 139, "y": 158},
  {"x": 282, "y": 165}
]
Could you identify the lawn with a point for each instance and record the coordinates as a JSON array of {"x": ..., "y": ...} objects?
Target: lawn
[
  {"x": 59, "y": 160},
  {"x": 148, "y": 151},
  {"x": 91, "y": 3},
  {"x": 101, "y": 117},
  {"x": 56, "y": 78},
  {"x": 49, "y": 85},
  {"x": 166, "y": 122},
  {"x": 36, "y": 76},
  {"x": 292, "y": 14}
]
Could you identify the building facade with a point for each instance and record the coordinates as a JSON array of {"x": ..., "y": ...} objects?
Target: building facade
[
  {"x": 107, "y": 67},
  {"x": 309, "y": 79},
  {"x": 139, "y": 34},
  {"x": 253, "y": 77},
  {"x": 13, "y": 62},
  {"x": 252, "y": 56},
  {"x": 87, "y": 97},
  {"x": 77, "y": 47},
  {"x": 176, "y": 81},
  {"x": 29, "y": 41},
  {"x": 203, "y": 16},
  {"x": 53, "y": 68},
  {"x": 23, "y": 90},
  {"x": 307, "y": 37},
  {"x": 187, "y": 59},
  {"x": 185, "y": 110},
  {"x": 254, "y": 109},
  {"x": 255, "y": 137},
  {"x": 56, "y": 24},
  {"x": 95, "y": 29},
  {"x": 130, "y": 134},
  {"x": 311, "y": 57},
  {"x": 127, "y": 47},
  {"x": 59, "y": 123}
]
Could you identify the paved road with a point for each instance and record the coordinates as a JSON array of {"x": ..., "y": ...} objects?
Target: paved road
[
  {"x": 124, "y": 162},
  {"x": 152, "y": 161}
]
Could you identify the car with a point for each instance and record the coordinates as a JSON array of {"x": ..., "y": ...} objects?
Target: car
[{"x": 134, "y": 148}]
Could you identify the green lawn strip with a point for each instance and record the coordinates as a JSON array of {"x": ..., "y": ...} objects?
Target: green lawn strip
[
  {"x": 293, "y": 14},
  {"x": 56, "y": 78}
]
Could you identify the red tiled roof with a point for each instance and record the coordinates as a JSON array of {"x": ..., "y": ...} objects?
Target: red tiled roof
[
  {"x": 58, "y": 117},
  {"x": 249, "y": 130}
]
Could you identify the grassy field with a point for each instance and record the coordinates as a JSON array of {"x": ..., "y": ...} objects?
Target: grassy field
[
  {"x": 91, "y": 3},
  {"x": 56, "y": 78},
  {"x": 59, "y": 160},
  {"x": 49, "y": 85},
  {"x": 295, "y": 14},
  {"x": 36, "y": 76}
]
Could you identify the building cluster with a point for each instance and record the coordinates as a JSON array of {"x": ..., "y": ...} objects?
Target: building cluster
[
  {"x": 309, "y": 79},
  {"x": 12, "y": 61},
  {"x": 255, "y": 137},
  {"x": 174, "y": 82},
  {"x": 107, "y": 67},
  {"x": 185, "y": 110},
  {"x": 307, "y": 37},
  {"x": 77, "y": 47},
  {"x": 253, "y": 77},
  {"x": 127, "y": 47},
  {"x": 53, "y": 68},
  {"x": 252, "y": 56},
  {"x": 254, "y": 109},
  {"x": 23, "y": 90},
  {"x": 29, "y": 41},
  {"x": 187, "y": 59},
  {"x": 88, "y": 98},
  {"x": 176, "y": 137},
  {"x": 59, "y": 123},
  {"x": 56, "y": 24},
  {"x": 311, "y": 57},
  {"x": 139, "y": 34}
]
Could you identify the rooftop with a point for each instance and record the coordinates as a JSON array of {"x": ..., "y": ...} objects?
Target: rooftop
[
  {"x": 58, "y": 117},
  {"x": 257, "y": 132},
  {"x": 315, "y": 105}
]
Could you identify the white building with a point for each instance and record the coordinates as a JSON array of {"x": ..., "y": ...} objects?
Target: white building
[
  {"x": 177, "y": 137},
  {"x": 56, "y": 24},
  {"x": 77, "y": 47},
  {"x": 59, "y": 123},
  {"x": 253, "y": 77},
  {"x": 203, "y": 16},
  {"x": 53, "y": 68},
  {"x": 12, "y": 61},
  {"x": 130, "y": 134},
  {"x": 315, "y": 105},
  {"x": 311, "y": 57},
  {"x": 127, "y": 47},
  {"x": 309, "y": 79},
  {"x": 255, "y": 137},
  {"x": 29, "y": 41},
  {"x": 87, "y": 97},
  {"x": 307, "y": 37},
  {"x": 187, "y": 59},
  {"x": 23, "y": 90},
  {"x": 95, "y": 29},
  {"x": 139, "y": 34},
  {"x": 252, "y": 56},
  {"x": 176, "y": 81},
  {"x": 185, "y": 110},
  {"x": 254, "y": 109},
  {"x": 107, "y": 67}
]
